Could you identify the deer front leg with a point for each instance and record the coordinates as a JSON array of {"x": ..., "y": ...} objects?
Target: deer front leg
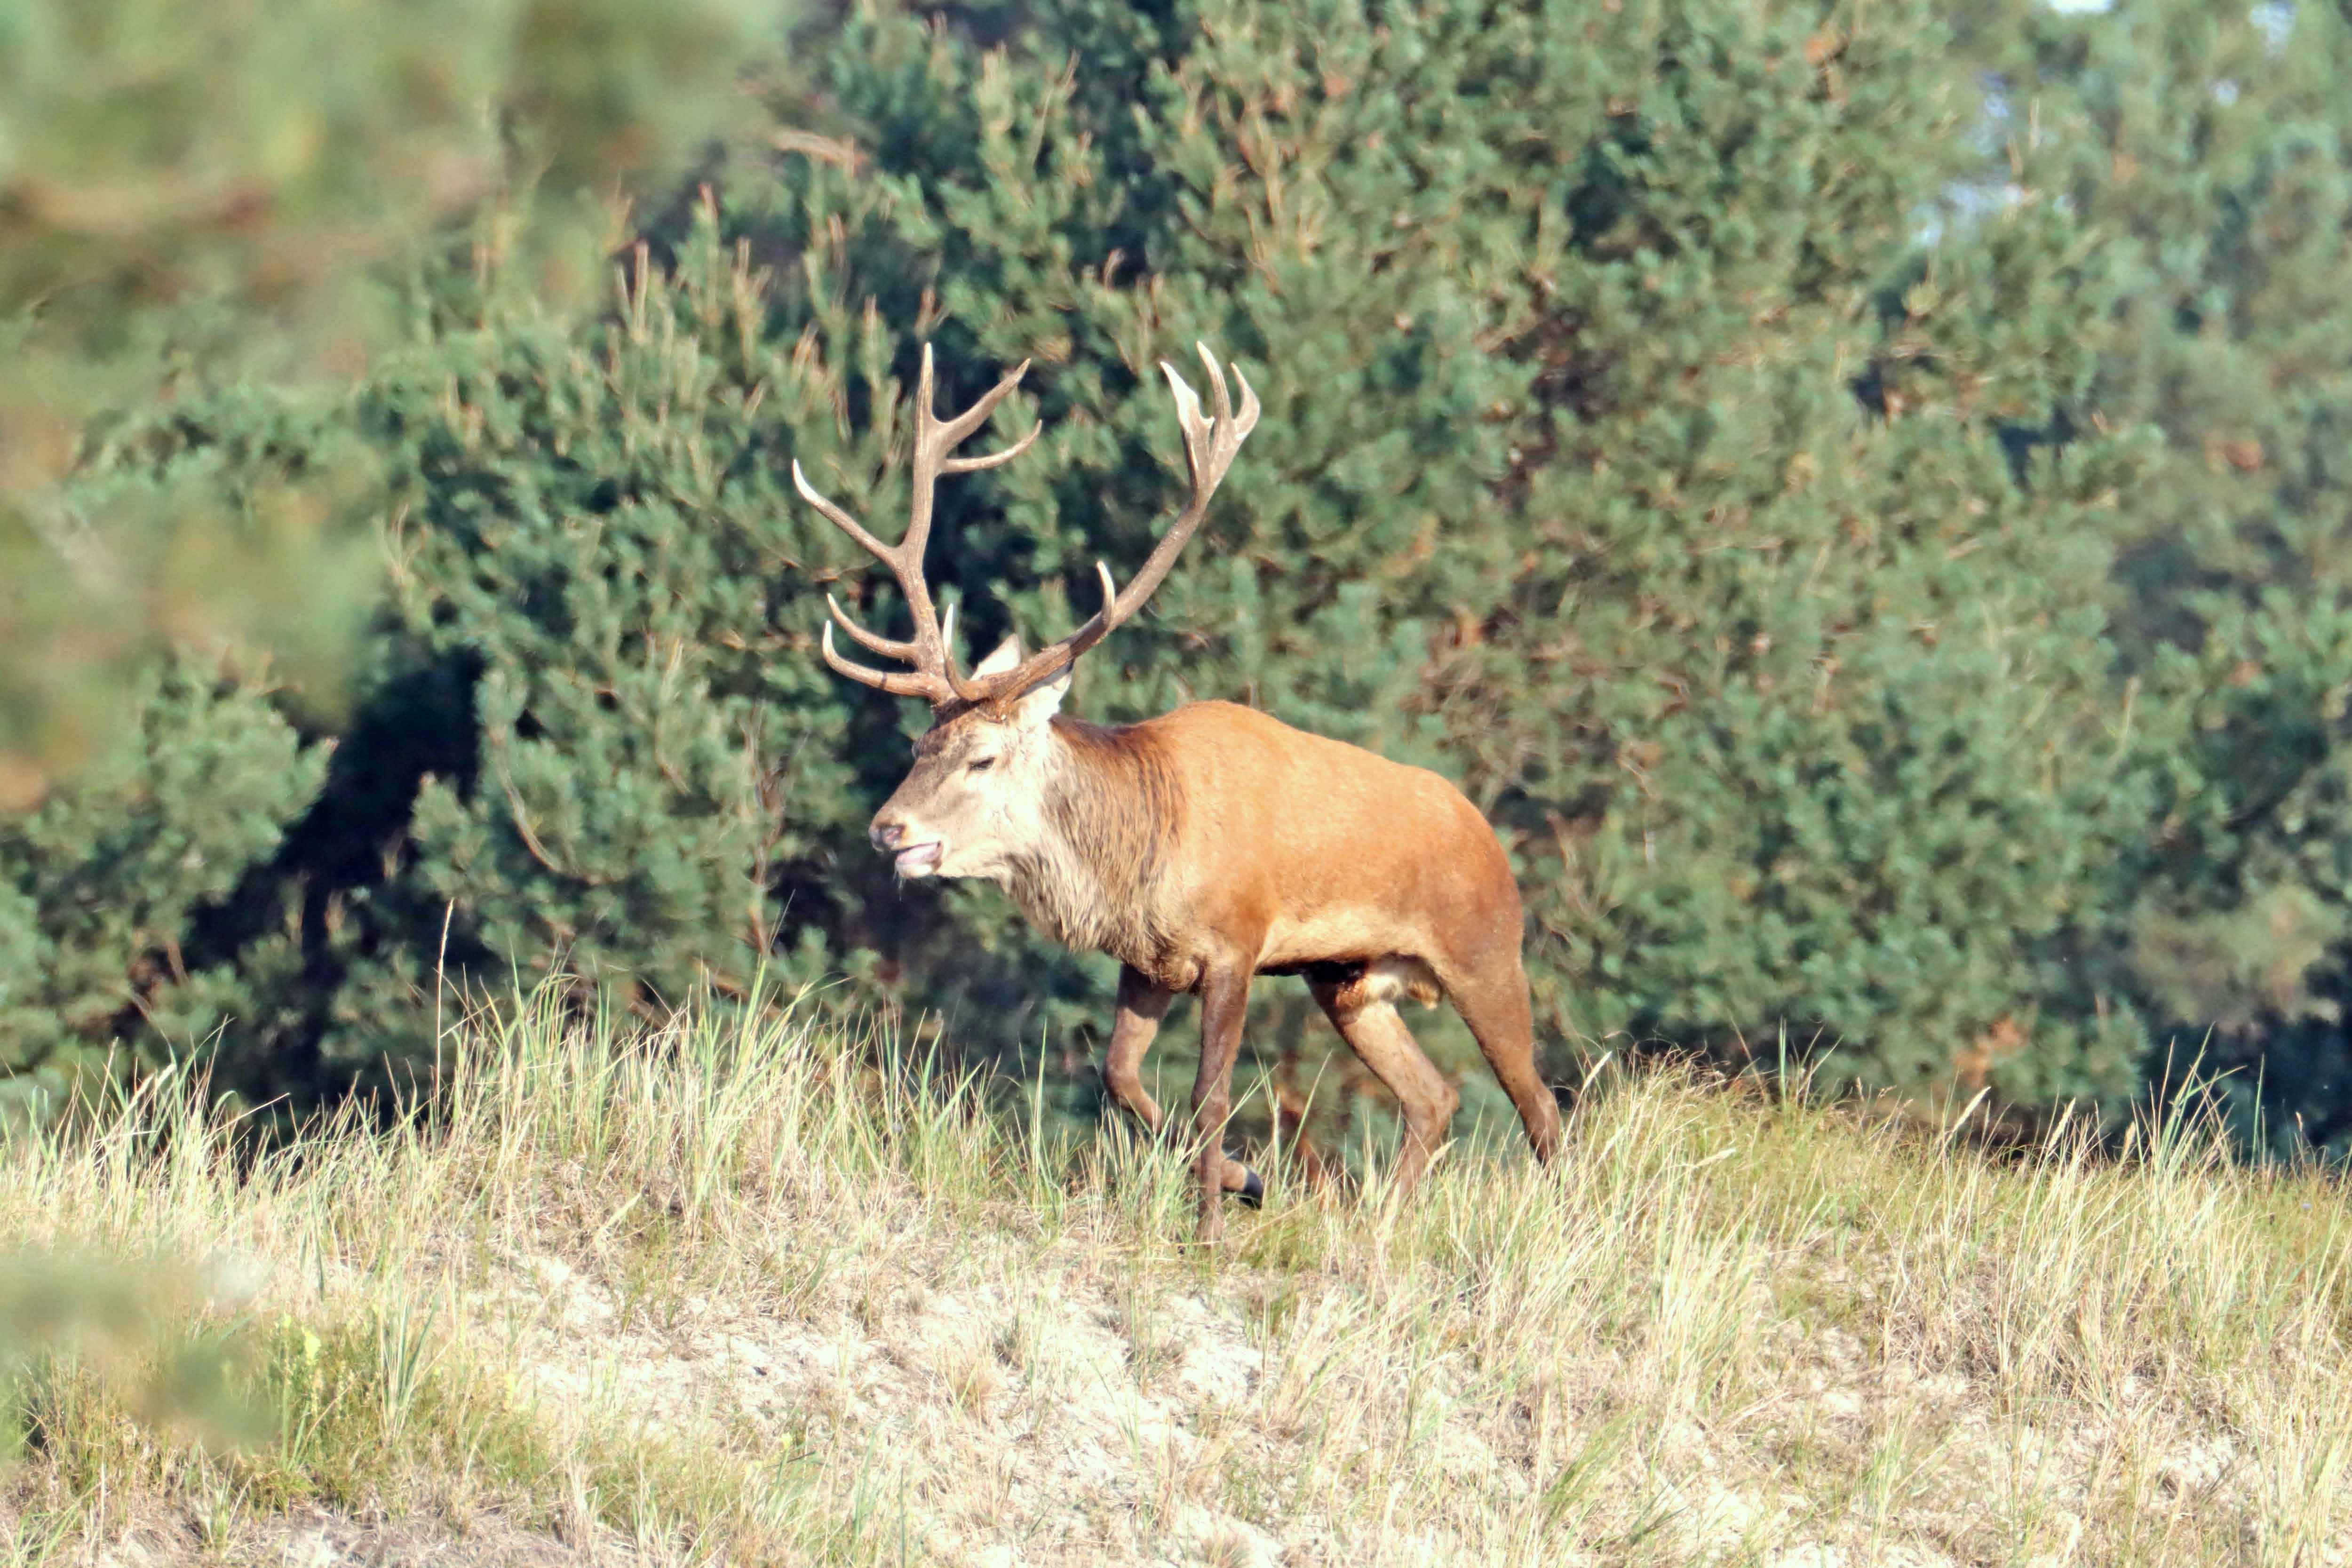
[
  {"x": 1142, "y": 1003},
  {"x": 1225, "y": 1003}
]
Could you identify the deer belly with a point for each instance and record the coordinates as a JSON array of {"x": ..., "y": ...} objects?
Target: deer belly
[{"x": 1361, "y": 983}]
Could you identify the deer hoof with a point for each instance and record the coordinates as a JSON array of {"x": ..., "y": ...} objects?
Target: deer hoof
[{"x": 1252, "y": 1191}]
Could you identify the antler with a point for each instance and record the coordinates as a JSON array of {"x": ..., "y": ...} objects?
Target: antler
[
  {"x": 931, "y": 652},
  {"x": 1210, "y": 446}
]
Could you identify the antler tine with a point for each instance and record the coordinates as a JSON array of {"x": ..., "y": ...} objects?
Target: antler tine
[
  {"x": 841, "y": 520},
  {"x": 1228, "y": 430},
  {"x": 946, "y": 651},
  {"x": 1210, "y": 446},
  {"x": 936, "y": 438},
  {"x": 993, "y": 460},
  {"x": 1224, "y": 404},
  {"x": 921, "y": 683},
  {"x": 888, "y": 647}
]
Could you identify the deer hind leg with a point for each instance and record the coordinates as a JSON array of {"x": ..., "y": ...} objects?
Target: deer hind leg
[
  {"x": 1493, "y": 1000},
  {"x": 1363, "y": 1010}
]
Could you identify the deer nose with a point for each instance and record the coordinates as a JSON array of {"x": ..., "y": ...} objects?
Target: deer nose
[{"x": 885, "y": 836}]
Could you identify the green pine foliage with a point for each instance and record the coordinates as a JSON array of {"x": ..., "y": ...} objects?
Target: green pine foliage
[
  {"x": 101, "y": 886},
  {"x": 646, "y": 749},
  {"x": 2211, "y": 150}
]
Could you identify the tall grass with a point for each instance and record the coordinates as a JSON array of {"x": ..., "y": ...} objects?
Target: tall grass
[{"x": 760, "y": 1292}]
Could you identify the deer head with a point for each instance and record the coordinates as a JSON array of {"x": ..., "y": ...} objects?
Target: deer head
[{"x": 974, "y": 797}]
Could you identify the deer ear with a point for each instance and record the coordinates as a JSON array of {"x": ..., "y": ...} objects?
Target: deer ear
[
  {"x": 1007, "y": 655},
  {"x": 1041, "y": 702}
]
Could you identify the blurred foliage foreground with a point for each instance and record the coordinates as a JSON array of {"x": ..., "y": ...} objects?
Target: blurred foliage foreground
[
  {"x": 1858, "y": 495},
  {"x": 195, "y": 192}
]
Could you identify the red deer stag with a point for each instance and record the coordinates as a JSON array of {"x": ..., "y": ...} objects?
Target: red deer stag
[{"x": 1202, "y": 847}]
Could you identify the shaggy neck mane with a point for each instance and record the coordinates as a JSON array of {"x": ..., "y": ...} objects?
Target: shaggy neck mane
[{"x": 1112, "y": 810}]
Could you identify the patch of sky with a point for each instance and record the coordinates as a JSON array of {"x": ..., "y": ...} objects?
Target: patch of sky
[
  {"x": 1996, "y": 113},
  {"x": 1966, "y": 203}
]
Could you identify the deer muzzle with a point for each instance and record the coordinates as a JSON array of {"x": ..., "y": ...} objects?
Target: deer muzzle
[{"x": 919, "y": 859}]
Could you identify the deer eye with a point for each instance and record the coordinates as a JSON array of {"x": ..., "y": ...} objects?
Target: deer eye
[{"x": 981, "y": 764}]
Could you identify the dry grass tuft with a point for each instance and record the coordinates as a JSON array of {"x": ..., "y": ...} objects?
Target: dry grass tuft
[{"x": 707, "y": 1293}]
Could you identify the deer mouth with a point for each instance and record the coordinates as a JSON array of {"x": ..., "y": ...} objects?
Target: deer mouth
[{"x": 922, "y": 860}]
